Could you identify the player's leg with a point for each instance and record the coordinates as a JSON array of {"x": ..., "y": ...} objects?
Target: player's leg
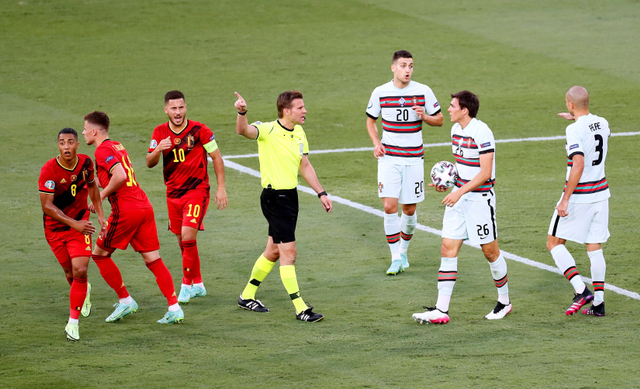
[
  {"x": 498, "y": 267},
  {"x": 190, "y": 256},
  {"x": 389, "y": 186},
  {"x": 77, "y": 296},
  {"x": 154, "y": 262},
  {"x": 447, "y": 276},
  {"x": 261, "y": 269},
  {"x": 177, "y": 214},
  {"x": 412, "y": 192},
  {"x": 598, "y": 233}
]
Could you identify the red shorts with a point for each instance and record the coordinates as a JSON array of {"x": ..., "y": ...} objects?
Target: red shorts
[
  {"x": 68, "y": 244},
  {"x": 137, "y": 227},
  {"x": 187, "y": 211}
]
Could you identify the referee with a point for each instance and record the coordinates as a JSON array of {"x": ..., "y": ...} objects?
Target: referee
[{"x": 283, "y": 151}]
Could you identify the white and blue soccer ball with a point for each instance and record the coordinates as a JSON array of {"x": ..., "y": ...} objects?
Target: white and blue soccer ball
[{"x": 444, "y": 173}]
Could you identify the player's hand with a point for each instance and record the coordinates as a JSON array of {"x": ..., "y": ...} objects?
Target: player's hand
[
  {"x": 326, "y": 203},
  {"x": 91, "y": 208},
  {"x": 418, "y": 110},
  {"x": 240, "y": 104},
  {"x": 452, "y": 198},
  {"x": 378, "y": 150},
  {"x": 84, "y": 227},
  {"x": 439, "y": 188},
  {"x": 164, "y": 144},
  {"x": 221, "y": 198},
  {"x": 562, "y": 208},
  {"x": 566, "y": 115}
]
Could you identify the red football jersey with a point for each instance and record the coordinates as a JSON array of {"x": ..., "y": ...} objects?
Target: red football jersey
[
  {"x": 185, "y": 164},
  {"x": 129, "y": 196},
  {"x": 69, "y": 189}
]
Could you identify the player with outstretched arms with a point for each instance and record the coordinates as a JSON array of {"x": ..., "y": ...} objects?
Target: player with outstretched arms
[
  {"x": 404, "y": 106},
  {"x": 582, "y": 214},
  {"x": 470, "y": 209},
  {"x": 184, "y": 145},
  {"x": 64, "y": 183},
  {"x": 131, "y": 221}
]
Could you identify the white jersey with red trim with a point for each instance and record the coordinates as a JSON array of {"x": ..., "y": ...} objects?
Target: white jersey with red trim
[
  {"x": 589, "y": 136},
  {"x": 401, "y": 126},
  {"x": 467, "y": 145}
]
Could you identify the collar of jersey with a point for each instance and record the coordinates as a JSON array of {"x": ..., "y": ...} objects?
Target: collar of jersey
[{"x": 285, "y": 128}]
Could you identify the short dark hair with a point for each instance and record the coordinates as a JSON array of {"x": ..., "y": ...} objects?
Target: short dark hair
[
  {"x": 401, "y": 54},
  {"x": 173, "y": 95},
  {"x": 68, "y": 130},
  {"x": 469, "y": 101},
  {"x": 285, "y": 99},
  {"x": 98, "y": 118}
]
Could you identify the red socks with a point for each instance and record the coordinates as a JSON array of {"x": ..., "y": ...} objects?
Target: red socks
[
  {"x": 164, "y": 280},
  {"x": 76, "y": 296},
  {"x": 111, "y": 274},
  {"x": 190, "y": 262}
]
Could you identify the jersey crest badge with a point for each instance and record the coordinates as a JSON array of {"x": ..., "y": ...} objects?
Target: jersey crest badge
[
  {"x": 380, "y": 186},
  {"x": 191, "y": 141},
  {"x": 50, "y": 184}
]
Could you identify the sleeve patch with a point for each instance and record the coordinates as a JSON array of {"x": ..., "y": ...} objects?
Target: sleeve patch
[
  {"x": 573, "y": 147},
  {"x": 153, "y": 144},
  {"x": 436, "y": 105},
  {"x": 212, "y": 137},
  {"x": 109, "y": 159},
  {"x": 487, "y": 144},
  {"x": 50, "y": 185}
]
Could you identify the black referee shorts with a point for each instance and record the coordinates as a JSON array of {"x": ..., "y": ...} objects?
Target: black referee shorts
[{"x": 280, "y": 208}]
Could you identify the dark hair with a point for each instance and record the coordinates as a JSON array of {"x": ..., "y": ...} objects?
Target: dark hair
[
  {"x": 469, "y": 101},
  {"x": 98, "y": 118},
  {"x": 285, "y": 99},
  {"x": 68, "y": 130},
  {"x": 401, "y": 54},
  {"x": 173, "y": 95}
]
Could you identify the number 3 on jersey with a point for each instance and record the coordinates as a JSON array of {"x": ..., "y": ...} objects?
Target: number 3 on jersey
[{"x": 126, "y": 163}]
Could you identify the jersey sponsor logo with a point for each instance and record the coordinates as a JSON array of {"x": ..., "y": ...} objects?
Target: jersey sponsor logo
[
  {"x": 50, "y": 184},
  {"x": 573, "y": 147},
  {"x": 109, "y": 159},
  {"x": 153, "y": 144},
  {"x": 487, "y": 144},
  {"x": 193, "y": 220}
]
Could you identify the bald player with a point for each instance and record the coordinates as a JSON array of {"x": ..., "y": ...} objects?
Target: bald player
[{"x": 582, "y": 214}]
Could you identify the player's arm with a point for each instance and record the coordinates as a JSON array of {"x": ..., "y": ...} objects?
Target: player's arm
[
  {"x": 82, "y": 226},
  {"x": 574, "y": 178},
  {"x": 153, "y": 157},
  {"x": 218, "y": 166},
  {"x": 436, "y": 120},
  {"x": 309, "y": 174},
  {"x": 486, "y": 167},
  {"x": 118, "y": 178},
  {"x": 372, "y": 129},
  {"x": 242, "y": 125},
  {"x": 96, "y": 202}
]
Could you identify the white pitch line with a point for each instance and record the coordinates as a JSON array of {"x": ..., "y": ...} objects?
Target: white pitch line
[
  {"x": 376, "y": 212},
  {"x": 427, "y": 145}
]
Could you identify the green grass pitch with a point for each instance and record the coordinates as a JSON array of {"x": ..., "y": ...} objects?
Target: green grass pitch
[{"x": 62, "y": 59}]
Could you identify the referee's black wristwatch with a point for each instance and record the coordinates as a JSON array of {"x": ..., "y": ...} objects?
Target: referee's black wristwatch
[{"x": 323, "y": 193}]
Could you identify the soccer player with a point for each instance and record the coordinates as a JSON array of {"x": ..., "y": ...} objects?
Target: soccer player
[
  {"x": 131, "y": 221},
  {"x": 184, "y": 145},
  {"x": 470, "y": 209},
  {"x": 65, "y": 182},
  {"x": 582, "y": 214},
  {"x": 404, "y": 105},
  {"x": 283, "y": 151}
]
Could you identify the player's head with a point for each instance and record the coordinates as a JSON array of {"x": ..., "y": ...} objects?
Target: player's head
[
  {"x": 463, "y": 104},
  {"x": 402, "y": 66},
  {"x": 96, "y": 125},
  {"x": 68, "y": 143},
  {"x": 577, "y": 99},
  {"x": 175, "y": 107},
  {"x": 291, "y": 106}
]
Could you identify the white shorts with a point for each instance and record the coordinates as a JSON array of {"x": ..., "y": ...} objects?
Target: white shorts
[
  {"x": 586, "y": 223},
  {"x": 403, "y": 182},
  {"x": 473, "y": 220}
]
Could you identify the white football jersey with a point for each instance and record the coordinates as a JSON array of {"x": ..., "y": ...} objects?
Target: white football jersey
[
  {"x": 589, "y": 136},
  {"x": 467, "y": 146},
  {"x": 401, "y": 126}
]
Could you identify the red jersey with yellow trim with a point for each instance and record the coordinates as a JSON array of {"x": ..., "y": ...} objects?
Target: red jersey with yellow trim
[
  {"x": 129, "y": 196},
  {"x": 185, "y": 163},
  {"x": 68, "y": 188}
]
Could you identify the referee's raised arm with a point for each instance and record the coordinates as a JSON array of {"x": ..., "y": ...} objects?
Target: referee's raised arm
[{"x": 242, "y": 125}]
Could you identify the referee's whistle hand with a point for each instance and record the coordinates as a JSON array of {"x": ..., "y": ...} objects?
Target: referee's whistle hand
[{"x": 326, "y": 203}]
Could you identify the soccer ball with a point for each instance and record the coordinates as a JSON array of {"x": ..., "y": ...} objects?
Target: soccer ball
[{"x": 444, "y": 173}]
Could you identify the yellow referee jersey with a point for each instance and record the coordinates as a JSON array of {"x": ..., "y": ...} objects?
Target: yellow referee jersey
[{"x": 280, "y": 151}]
